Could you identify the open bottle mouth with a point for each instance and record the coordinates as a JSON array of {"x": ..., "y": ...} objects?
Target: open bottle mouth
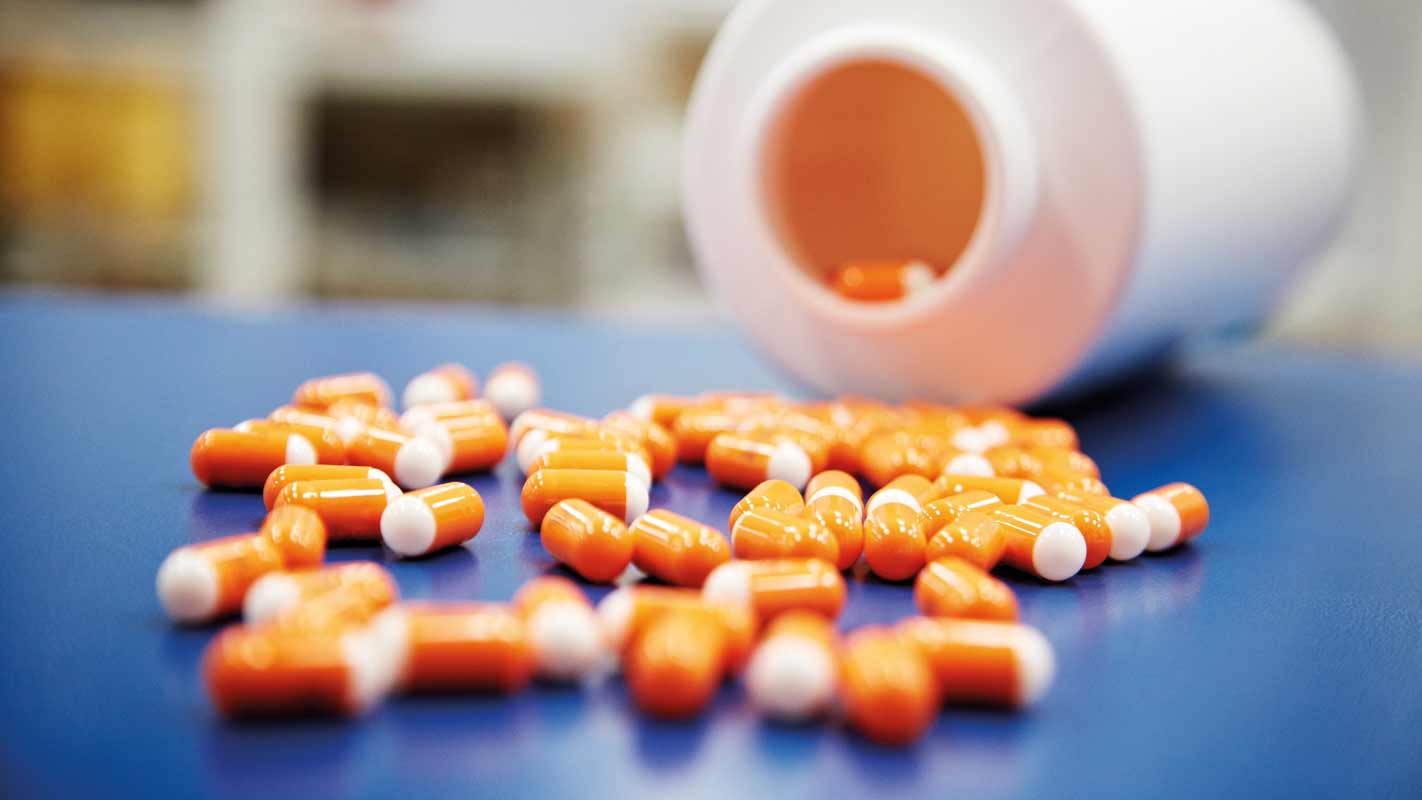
[{"x": 874, "y": 178}]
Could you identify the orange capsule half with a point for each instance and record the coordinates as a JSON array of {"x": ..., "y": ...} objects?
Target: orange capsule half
[
  {"x": 1009, "y": 490},
  {"x": 626, "y": 612},
  {"x": 618, "y": 493},
  {"x": 459, "y": 647},
  {"x": 588, "y": 540},
  {"x": 953, "y": 587},
  {"x": 657, "y": 440},
  {"x": 1178, "y": 512},
  {"x": 695, "y": 428},
  {"x": 944, "y": 510},
  {"x": 764, "y": 534},
  {"x": 972, "y": 536},
  {"x": 1039, "y": 543},
  {"x": 889, "y": 691},
  {"x": 349, "y": 508},
  {"x": 593, "y": 459},
  {"x": 243, "y": 460},
  {"x": 468, "y": 444},
  {"x": 298, "y": 534},
  {"x": 440, "y": 412},
  {"x": 677, "y": 549},
  {"x": 775, "y": 495},
  {"x": 675, "y": 666},
  {"x": 204, "y": 581},
  {"x": 978, "y": 662},
  {"x": 774, "y": 587},
  {"x": 835, "y": 501},
  {"x": 426, "y": 520},
  {"x": 881, "y": 281},
  {"x": 328, "y": 446}
]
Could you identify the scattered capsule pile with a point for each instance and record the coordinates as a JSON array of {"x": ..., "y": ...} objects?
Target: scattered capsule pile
[{"x": 960, "y": 492}]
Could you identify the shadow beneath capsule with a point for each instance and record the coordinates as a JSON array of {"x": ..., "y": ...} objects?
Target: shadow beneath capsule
[
  {"x": 306, "y": 756},
  {"x": 791, "y": 744}
]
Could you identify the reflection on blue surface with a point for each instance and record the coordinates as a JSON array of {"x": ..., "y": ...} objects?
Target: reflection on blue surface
[{"x": 1276, "y": 656}]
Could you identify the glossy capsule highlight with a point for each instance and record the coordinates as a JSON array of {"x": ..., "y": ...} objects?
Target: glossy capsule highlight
[
  {"x": 351, "y": 508},
  {"x": 243, "y": 459},
  {"x": 954, "y": 587},
  {"x": 774, "y": 587},
  {"x": 618, "y": 493},
  {"x": 587, "y": 540},
  {"x": 677, "y": 549},
  {"x": 420, "y": 522}
]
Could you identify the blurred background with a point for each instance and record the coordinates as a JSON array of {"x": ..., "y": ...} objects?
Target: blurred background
[{"x": 470, "y": 150}]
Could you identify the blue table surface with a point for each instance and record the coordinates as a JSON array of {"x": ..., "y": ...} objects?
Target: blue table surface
[{"x": 1277, "y": 656}]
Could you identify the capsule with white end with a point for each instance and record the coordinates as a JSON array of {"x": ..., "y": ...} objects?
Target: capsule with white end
[
  {"x": 1177, "y": 512},
  {"x": 1009, "y": 490},
  {"x": 620, "y": 494},
  {"x": 594, "y": 459},
  {"x": 562, "y": 629},
  {"x": 416, "y": 416},
  {"x": 793, "y": 673},
  {"x": 329, "y": 447},
  {"x": 298, "y": 534},
  {"x": 978, "y": 662},
  {"x": 256, "y": 671},
  {"x": 778, "y": 586},
  {"x": 413, "y": 462},
  {"x": 420, "y": 522},
  {"x": 243, "y": 460},
  {"x": 202, "y": 582},
  {"x": 894, "y": 541},
  {"x": 775, "y": 495},
  {"x": 446, "y": 383},
  {"x": 625, "y": 613},
  {"x": 363, "y": 387},
  {"x": 1086, "y": 519},
  {"x": 882, "y": 281},
  {"x": 513, "y": 388},
  {"x": 1040, "y": 544},
  {"x": 467, "y": 444},
  {"x": 277, "y": 593},
  {"x": 291, "y": 473}
]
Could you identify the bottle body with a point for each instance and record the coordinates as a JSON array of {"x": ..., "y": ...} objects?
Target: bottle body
[{"x": 1092, "y": 180}]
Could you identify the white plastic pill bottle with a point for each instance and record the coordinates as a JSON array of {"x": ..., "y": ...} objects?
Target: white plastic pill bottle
[{"x": 1094, "y": 179}]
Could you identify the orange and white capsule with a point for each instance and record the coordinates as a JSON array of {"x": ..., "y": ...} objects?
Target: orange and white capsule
[
  {"x": 290, "y": 473},
  {"x": 1130, "y": 527},
  {"x": 676, "y": 549},
  {"x": 513, "y": 388},
  {"x": 1039, "y": 543},
  {"x": 353, "y": 416},
  {"x": 766, "y": 534},
  {"x": 979, "y": 662},
  {"x": 793, "y": 673},
  {"x": 1044, "y": 432},
  {"x": 945, "y": 509},
  {"x": 587, "y": 540},
  {"x": 774, "y": 495},
  {"x": 889, "y": 691},
  {"x": 365, "y": 387},
  {"x": 777, "y": 586},
  {"x": 257, "y": 671},
  {"x": 971, "y": 535},
  {"x": 620, "y": 494},
  {"x": 834, "y": 500},
  {"x": 562, "y": 629},
  {"x": 458, "y": 647},
  {"x": 446, "y": 383},
  {"x": 675, "y": 666},
  {"x": 298, "y": 534},
  {"x": 537, "y": 443},
  {"x": 656, "y": 440},
  {"x": 277, "y": 593},
  {"x": 894, "y": 541},
  {"x": 1066, "y": 459},
  {"x": 1087, "y": 520},
  {"x": 953, "y": 587},
  {"x": 413, "y": 462},
  {"x": 625, "y": 613},
  {"x": 350, "y": 508},
  {"x": 467, "y": 444},
  {"x": 1009, "y": 490},
  {"x": 328, "y": 446},
  {"x": 549, "y": 422},
  {"x": 891, "y": 454},
  {"x": 423, "y": 521},
  {"x": 204, "y": 581},
  {"x": 743, "y": 461},
  {"x": 243, "y": 460},
  {"x": 594, "y": 459},
  {"x": 881, "y": 281},
  {"x": 1177, "y": 512},
  {"x": 1057, "y": 481},
  {"x": 663, "y": 409}
]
